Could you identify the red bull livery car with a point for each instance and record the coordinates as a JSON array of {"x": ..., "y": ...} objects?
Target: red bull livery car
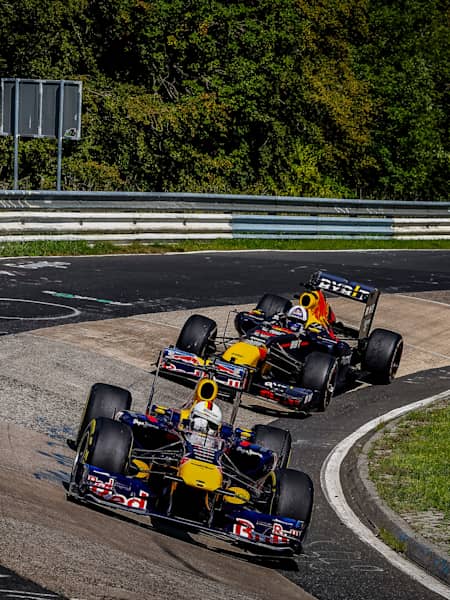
[
  {"x": 189, "y": 467},
  {"x": 293, "y": 355}
]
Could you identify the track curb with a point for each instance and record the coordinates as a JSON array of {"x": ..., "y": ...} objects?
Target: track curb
[{"x": 362, "y": 496}]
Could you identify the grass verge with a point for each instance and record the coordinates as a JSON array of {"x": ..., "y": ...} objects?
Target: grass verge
[
  {"x": 410, "y": 467},
  {"x": 391, "y": 541},
  {"x": 60, "y": 248}
]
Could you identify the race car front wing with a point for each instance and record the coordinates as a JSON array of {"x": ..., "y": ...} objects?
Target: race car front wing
[
  {"x": 241, "y": 526},
  {"x": 229, "y": 375},
  {"x": 189, "y": 365}
]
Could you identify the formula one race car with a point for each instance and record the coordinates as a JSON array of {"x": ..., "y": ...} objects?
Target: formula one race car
[
  {"x": 186, "y": 466},
  {"x": 294, "y": 355}
]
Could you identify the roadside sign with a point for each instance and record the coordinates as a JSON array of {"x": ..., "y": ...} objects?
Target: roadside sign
[{"x": 40, "y": 108}]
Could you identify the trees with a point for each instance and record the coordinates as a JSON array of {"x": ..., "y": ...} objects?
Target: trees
[
  {"x": 407, "y": 66},
  {"x": 291, "y": 97}
]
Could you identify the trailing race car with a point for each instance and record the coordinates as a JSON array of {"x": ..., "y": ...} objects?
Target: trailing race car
[
  {"x": 294, "y": 355},
  {"x": 186, "y": 466}
]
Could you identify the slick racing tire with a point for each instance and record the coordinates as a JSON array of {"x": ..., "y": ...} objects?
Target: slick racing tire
[
  {"x": 198, "y": 336},
  {"x": 276, "y": 439},
  {"x": 271, "y": 304},
  {"x": 109, "y": 445},
  {"x": 383, "y": 354},
  {"x": 294, "y": 495},
  {"x": 320, "y": 373},
  {"x": 104, "y": 401}
]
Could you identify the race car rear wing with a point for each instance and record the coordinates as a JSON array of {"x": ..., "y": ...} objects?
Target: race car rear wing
[{"x": 349, "y": 289}]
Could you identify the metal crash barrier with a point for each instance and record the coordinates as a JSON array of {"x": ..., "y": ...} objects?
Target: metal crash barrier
[{"x": 124, "y": 217}]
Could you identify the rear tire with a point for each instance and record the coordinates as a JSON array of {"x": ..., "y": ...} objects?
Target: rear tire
[
  {"x": 271, "y": 304},
  {"x": 294, "y": 495},
  {"x": 276, "y": 439},
  {"x": 383, "y": 354},
  {"x": 198, "y": 336},
  {"x": 320, "y": 373},
  {"x": 111, "y": 445},
  {"x": 104, "y": 401}
]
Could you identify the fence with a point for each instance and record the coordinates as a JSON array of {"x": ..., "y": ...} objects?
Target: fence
[{"x": 123, "y": 217}]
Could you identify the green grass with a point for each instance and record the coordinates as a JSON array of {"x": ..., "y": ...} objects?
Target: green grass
[
  {"x": 410, "y": 464},
  {"x": 57, "y": 248},
  {"x": 392, "y": 541}
]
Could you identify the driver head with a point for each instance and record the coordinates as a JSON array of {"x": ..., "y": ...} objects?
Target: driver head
[
  {"x": 296, "y": 317},
  {"x": 206, "y": 417}
]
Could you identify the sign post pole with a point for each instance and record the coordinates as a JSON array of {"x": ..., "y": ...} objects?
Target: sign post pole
[
  {"x": 16, "y": 134},
  {"x": 60, "y": 134}
]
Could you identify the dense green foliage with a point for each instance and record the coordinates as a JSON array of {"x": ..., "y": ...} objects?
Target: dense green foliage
[{"x": 337, "y": 98}]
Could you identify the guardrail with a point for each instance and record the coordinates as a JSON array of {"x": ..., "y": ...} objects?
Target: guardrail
[{"x": 152, "y": 216}]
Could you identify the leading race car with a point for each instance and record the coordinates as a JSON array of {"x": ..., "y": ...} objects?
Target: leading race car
[
  {"x": 186, "y": 466},
  {"x": 293, "y": 355}
]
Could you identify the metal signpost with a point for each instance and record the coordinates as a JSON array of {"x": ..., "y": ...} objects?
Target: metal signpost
[{"x": 40, "y": 108}]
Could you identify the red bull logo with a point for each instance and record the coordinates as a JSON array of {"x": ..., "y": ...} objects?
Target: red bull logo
[{"x": 105, "y": 490}]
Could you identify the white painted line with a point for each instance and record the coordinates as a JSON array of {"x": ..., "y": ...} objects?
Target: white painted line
[
  {"x": 12, "y": 593},
  {"x": 292, "y": 251},
  {"x": 332, "y": 488},
  {"x": 240, "y": 251},
  {"x": 71, "y": 296},
  {"x": 41, "y": 264},
  {"x": 72, "y": 312}
]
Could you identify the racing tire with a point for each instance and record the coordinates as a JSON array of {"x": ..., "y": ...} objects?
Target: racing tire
[
  {"x": 294, "y": 495},
  {"x": 109, "y": 445},
  {"x": 271, "y": 304},
  {"x": 383, "y": 354},
  {"x": 320, "y": 372},
  {"x": 104, "y": 400},
  {"x": 275, "y": 439},
  {"x": 198, "y": 336}
]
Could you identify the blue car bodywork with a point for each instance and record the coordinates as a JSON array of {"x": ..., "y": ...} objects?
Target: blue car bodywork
[
  {"x": 299, "y": 365},
  {"x": 223, "y": 485}
]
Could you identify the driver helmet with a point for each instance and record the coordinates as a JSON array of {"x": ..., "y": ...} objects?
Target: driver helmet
[
  {"x": 206, "y": 418},
  {"x": 296, "y": 317}
]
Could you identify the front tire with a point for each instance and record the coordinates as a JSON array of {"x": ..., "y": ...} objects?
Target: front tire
[
  {"x": 110, "y": 447},
  {"x": 320, "y": 373},
  {"x": 294, "y": 495},
  {"x": 276, "y": 439},
  {"x": 383, "y": 354},
  {"x": 104, "y": 400},
  {"x": 198, "y": 336},
  {"x": 105, "y": 444}
]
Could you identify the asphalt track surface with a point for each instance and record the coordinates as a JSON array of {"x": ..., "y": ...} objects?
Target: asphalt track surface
[
  {"x": 117, "y": 286},
  {"x": 46, "y": 292}
]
